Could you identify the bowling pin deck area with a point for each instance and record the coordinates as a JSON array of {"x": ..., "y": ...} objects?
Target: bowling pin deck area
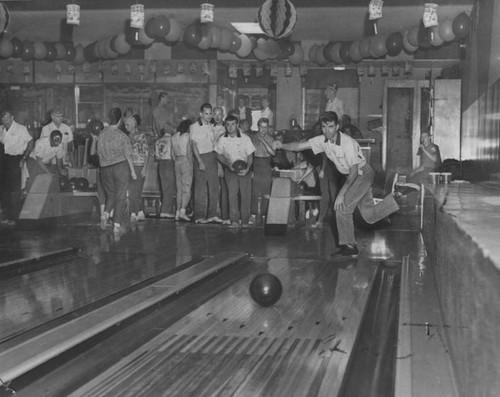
[{"x": 206, "y": 336}]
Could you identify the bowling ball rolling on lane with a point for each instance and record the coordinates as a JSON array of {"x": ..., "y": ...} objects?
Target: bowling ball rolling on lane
[{"x": 266, "y": 289}]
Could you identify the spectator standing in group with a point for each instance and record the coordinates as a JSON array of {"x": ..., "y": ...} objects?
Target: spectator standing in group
[
  {"x": 221, "y": 103},
  {"x": 166, "y": 171},
  {"x": 162, "y": 117},
  {"x": 94, "y": 127},
  {"x": 56, "y": 116},
  {"x": 262, "y": 170},
  {"x": 141, "y": 156},
  {"x": 220, "y": 130},
  {"x": 206, "y": 179},
  {"x": 183, "y": 165},
  {"x": 334, "y": 103},
  {"x": 231, "y": 147},
  {"x": 18, "y": 145},
  {"x": 243, "y": 111},
  {"x": 266, "y": 112},
  {"x": 117, "y": 166}
]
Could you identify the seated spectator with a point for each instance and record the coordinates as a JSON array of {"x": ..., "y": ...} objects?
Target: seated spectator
[
  {"x": 430, "y": 161},
  {"x": 40, "y": 160},
  {"x": 350, "y": 129}
]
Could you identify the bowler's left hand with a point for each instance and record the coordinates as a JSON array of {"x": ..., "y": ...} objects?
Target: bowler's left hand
[{"x": 339, "y": 203}]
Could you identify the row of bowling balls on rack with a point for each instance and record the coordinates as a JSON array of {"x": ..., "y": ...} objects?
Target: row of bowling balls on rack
[{"x": 79, "y": 184}]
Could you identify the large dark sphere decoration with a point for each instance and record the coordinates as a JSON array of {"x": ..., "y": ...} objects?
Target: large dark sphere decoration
[
  {"x": 344, "y": 52},
  {"x": 28, "y": 51},
  {"x": 162, "y": 26},
  {"x": 461, "y": 25},
  {"x": 17, "y": 47},
  {"x": 89, "y": 53},
  {"x": 394, "y": 44},
  {"x": 192, "y": 35},
  {"x": 51, "y": 52},
  {"x": 150, "y": 27},
  {"x": 70, "y": 52},
  {"x": 266, "y": 289}
]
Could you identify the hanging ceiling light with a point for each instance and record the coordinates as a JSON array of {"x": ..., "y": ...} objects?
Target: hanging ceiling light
[
  {"x": 375, "y": 12},
  {"x": 430, "y": 18},
  {"x": 207, "y": 13},
  {"x": 73, "y": 14},
  {"x": 137, "y": 16}
]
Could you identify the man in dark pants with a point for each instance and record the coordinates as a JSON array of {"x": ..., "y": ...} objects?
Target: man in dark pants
[
  {"x": 356, "y": 192},
  {"x": 206, "y": 179},
  {"x": 18, "y": 144},
  {"x": 231, "y": 147},
  {"x": 115, "y": 159}
]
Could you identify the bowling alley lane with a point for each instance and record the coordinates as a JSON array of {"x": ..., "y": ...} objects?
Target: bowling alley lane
[
  {"x": 304, "y": 329},
  {"x": 232, "y": 346}
]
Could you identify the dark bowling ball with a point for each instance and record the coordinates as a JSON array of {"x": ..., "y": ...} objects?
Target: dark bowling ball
[
  {"x": 64, "y": 184},
  {"x": 266, "y": 289},
  {"x": 73, "y": 183},
  {"x": 83, "y": 184},
  {"x": 239, "y": 165}
]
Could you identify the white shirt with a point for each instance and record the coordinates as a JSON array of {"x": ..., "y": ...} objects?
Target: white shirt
[
  {"x": 45, "y": 152},
  {"x": 344, "y": 152},
  {"x": 67, "y": 134},
  {"x": 268, "y": 114},
  {"x": 15, "y": 139},
  {"x": 203, "y": 136},
  {"x": 336, "y": 106},
  {"x": 235, "y": 148}
]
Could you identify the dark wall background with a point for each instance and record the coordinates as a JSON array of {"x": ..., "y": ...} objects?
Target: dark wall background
[{"x": 480, "y": 146}]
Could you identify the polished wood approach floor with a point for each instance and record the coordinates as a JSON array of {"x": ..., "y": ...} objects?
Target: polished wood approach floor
[{"x": 226, "y": 344}]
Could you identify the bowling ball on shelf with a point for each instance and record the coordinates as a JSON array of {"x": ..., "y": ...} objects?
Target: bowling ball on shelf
[
  {"x": 266, "y": 289},
  {"x": 239, "y": 165},
  {"x": 73, "y": 183},
  {"x": 64, "y": 185},
  {"x": 82, "y": 184}
]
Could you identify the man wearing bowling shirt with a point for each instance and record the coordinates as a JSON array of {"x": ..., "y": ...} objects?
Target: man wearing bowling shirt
[
  {"x": 206, "y": 179},
  {"x": 18, "y": 144},
  {"x": 231, "y": 147},
  {"x": 346, "y": 154}
]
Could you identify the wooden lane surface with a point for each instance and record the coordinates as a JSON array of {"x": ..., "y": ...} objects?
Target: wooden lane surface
[
  {"x": 25, "y": 356},
  {"x": 38, "y": 297},
  {"x": 231, "y": 346},
  {"x": 423, "y": 362}
]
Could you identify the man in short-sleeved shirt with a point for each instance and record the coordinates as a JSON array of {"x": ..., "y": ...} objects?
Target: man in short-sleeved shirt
[
  {"x": 346, "y": 154},
  {"x": 231, "y": 147},
  {"x": 206, "y": 179},
  {"x": 56, "y": 116},
  {"x": 18, "y": 144},
  {"x": 45, "y": 152}
]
